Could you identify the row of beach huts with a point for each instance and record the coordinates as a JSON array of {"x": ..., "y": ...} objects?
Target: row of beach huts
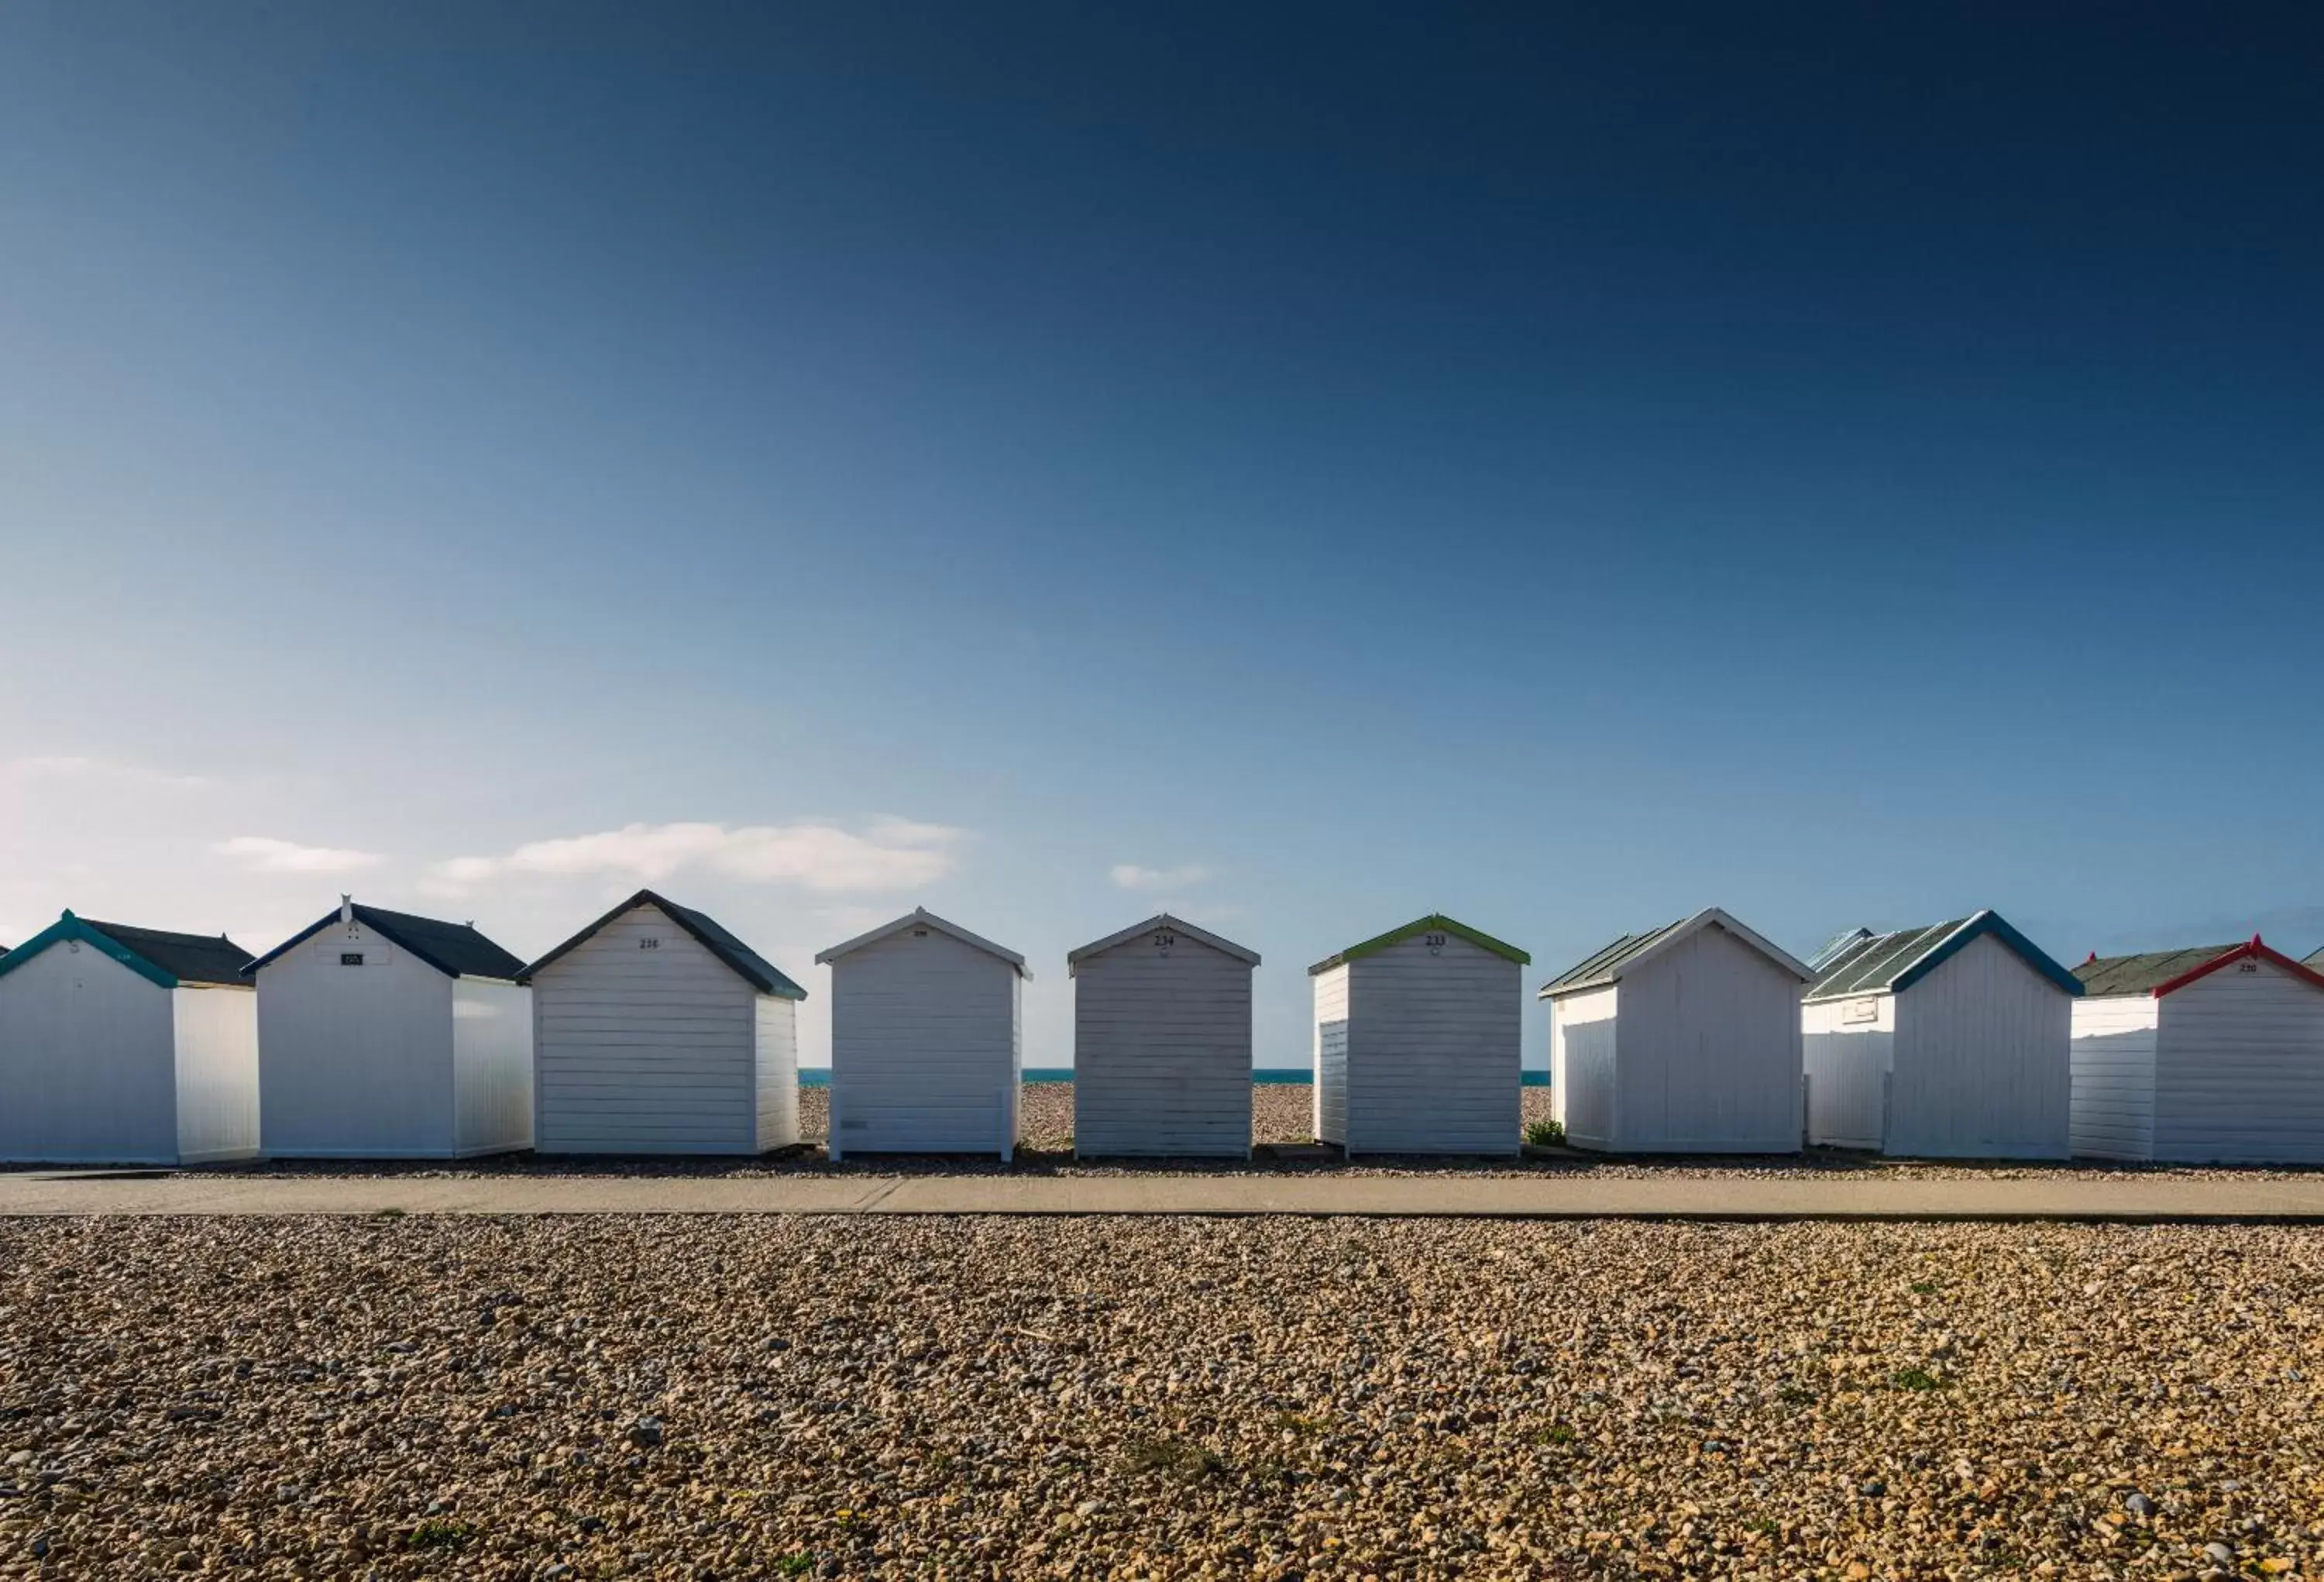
[{"x": 378, "y": 1034}]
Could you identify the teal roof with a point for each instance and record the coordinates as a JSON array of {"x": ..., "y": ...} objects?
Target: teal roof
[
  {"x": 157, "y": 955},
  {"x": 1891, "y": 963}
]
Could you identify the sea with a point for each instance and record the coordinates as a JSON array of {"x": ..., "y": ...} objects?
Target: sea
[{"x": 1262, "y": 1076}]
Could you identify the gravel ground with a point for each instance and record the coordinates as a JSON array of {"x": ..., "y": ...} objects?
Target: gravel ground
[
  {"x": 1280, "y": 1114},
  {"x": 1002, "y": 1398}
]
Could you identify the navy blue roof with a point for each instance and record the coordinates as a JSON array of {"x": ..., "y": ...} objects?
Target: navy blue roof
[
  {"x": 454, "y": 949},
  {"x": 738, "y": 958}
]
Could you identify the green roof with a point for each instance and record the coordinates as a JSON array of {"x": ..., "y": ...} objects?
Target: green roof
[{"x": 1435, "y": 922}]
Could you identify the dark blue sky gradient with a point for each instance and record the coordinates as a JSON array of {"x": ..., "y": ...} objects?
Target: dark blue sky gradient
[{"x": 1840, "y": 462}]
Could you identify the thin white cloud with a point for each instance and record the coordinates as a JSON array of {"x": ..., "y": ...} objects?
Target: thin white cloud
[
  {"x": 111, "y": 772},
  {"x": 892, "y": 853},
  {"x": 1130, "y": 877},
  {"x": 264, "y": 855}
]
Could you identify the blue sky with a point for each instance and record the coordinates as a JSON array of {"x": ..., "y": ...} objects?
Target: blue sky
[{"x": 1309, "y": 467}]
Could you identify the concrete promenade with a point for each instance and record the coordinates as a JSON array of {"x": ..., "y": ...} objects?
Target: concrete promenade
[{"x": 1549, "y": 1195}]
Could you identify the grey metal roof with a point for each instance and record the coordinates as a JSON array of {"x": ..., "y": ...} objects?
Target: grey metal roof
[
  {"x": 1593, "y": 970},
  {"x": 1162, "y": 920},
  {"x": 921, "y": 916},
  {"x": 193, "y": 959},
  {"x": 2140, "y": 975},
  {"x": 454, "y": 949}
]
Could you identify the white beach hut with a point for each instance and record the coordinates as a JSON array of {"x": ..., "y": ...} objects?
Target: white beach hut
[
  {"x": 1418, "y": 1041},
  {"x": 1162, "y": 1042},
  {"x": 2209, "y": 1056},
  {"x": 121, "y": 1045},
  {"x": 1946, "y": 1041},
  {"x": 383, "y": 1035},
  {"x": 1683, "y": 1040},
  {"x": 924, "y": 1040},
  {"x": 655, "y": 1031}
]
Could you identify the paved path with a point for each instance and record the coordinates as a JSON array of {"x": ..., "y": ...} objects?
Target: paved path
[{"x": 2130, "y": 1198}]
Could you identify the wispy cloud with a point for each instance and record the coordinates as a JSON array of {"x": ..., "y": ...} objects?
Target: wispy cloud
[
  {"x": 1130, "y": 877},
  {"x": 264, "y": 855},
  {"x": 890, "y": 854},
  {"x": 110, "y": 771}
]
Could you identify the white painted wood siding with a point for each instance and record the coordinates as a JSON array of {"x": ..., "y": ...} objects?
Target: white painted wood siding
[
  {"x": 354, "y": 1062},
  {"x": 1434, "y": 1050},
  {"x": 643, "y": 1043},
  {"x": 924, "y": 1048},
  {"x": 2239, "y": 1072},
  {"x": 1584, "y": 1049},
  {"x": 777, "y": 1072},
  {"x": 1983, "y": 1067},
  {"x": 216, "y": 1032},
  {"x": 1331, "y": 1056},
  {"x": 1708, "y": 1057},
  {"x": 1846, "y": 1055},
  {"x": 2114, "y": 1075},
  {"x": 88, "y": 1062},
  {"x": 1162, "y": 1050},
  {"x": 492, "y": 1066}
]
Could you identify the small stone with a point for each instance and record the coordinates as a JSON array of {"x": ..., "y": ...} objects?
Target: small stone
[
  {"x": 2138, "y": 1504},
  {"x": 646, "y": 1432},
  {"x": 2220, "y": 1553}
]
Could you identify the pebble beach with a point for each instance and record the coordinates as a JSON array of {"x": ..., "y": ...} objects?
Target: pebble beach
[{"x": 703, "y": 1398}]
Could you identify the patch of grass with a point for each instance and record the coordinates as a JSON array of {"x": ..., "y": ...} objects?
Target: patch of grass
[
  {"x": 1760, "y": 1525},
  {"x": 1916, "y": 1379},
  {"x": 1291, "y": 1422},
  {"x": 1796, "y": 1395},
  {"x": 434, "y": 1533},
  {"x": 1545, "y": 1134},
  {"x": 798, "y": 1563},
  {"x": 1924, "y": 1288},
  {"x": 1157, "y": 1453},
  {"x": 390, "y": 1213}
]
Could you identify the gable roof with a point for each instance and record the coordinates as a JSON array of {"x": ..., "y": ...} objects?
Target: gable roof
[
  {"x": 733, "y": 954},
  {"x": 1848, "y": 939},
  {"x": 2158, "y": 973},
  {"x": 1435, "y": 922},
  {"x": 454, "y": 949},
  {"x": 1632, "y": 951},
  {"x": 156, "y": 955},
  {"x": 1891, "y": 963},
  {"x": 920, "y": 917},
  {"x": 1160, "y": 920}
]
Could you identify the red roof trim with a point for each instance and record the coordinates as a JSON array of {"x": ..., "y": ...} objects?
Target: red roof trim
[{"x": 2258, "y": 949}]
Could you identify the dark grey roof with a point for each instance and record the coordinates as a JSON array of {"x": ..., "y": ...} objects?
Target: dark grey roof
[
  {"x": 1600, "y": 968},
  {"x": 2139, "y": 974},
  {"x": 454, "y": 949},
  {"x": 2316, "y": 961},
  {"x": 193, "y": 959},
  {"x": 738, "y": 958}
]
